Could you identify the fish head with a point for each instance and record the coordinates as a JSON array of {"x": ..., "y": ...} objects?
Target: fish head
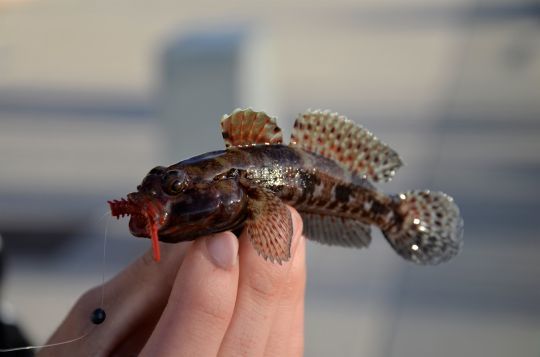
[
  {"x": 180, "y": 207},
  {"x": 147, "y": 207}
]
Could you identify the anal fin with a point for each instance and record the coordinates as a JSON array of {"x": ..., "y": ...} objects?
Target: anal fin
[
  {"x": 336, "y": 231},
  {"x": 269, "y": 225}
]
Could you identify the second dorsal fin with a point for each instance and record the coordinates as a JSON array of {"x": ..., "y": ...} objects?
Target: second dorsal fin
[
  {"x": 335, "y": 137},
  {"x": 245, "y": 127}
]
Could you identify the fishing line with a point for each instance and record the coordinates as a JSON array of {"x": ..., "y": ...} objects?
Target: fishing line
[
  {"x": 97, "y": 317},
  {"x": 104, "y": 260}
]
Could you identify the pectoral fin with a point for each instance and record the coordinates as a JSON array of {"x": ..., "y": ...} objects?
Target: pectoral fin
[{"x": 269, "y": 225}]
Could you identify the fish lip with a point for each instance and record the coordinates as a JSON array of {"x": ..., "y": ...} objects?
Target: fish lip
[
  {"x": 143, "y": 211},
  {"x": 138, "y": 226}
]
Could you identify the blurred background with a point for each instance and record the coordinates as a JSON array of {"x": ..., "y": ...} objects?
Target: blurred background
[{"x": 95, "y": 93}]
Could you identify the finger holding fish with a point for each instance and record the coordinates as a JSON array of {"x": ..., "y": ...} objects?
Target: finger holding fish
[
  {"x": 202, "y": 300},
  {"x": 192, "y": 302},
  {"x": 263, "y": 289}
]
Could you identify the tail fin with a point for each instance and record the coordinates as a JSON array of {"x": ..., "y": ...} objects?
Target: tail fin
[{"x": 430, "y": 228}]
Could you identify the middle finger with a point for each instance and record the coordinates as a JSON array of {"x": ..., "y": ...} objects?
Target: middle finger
[{"x": 259, "y": 290}]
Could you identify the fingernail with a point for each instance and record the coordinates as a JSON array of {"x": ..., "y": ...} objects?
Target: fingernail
[{"x": 223, "y": 250}]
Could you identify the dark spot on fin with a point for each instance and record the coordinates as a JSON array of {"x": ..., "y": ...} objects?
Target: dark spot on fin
[
  {"x": 245, "y": 127},
  {"x": 269, "y": 225},
  {"x": 429, "y": 228},
  {"x": 337, "y": 138}
]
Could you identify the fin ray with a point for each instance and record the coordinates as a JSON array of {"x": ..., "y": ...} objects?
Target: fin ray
[
  {"x": 245, "y": 127},
  {"x": 336, "y": 231},
  {"x": 431, "y": 228},
  {"x": 335, "y": 137},
  {"x": 270, "y": 225}
]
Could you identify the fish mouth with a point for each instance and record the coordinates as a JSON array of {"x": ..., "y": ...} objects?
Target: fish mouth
[
  {"x": 138, "y": 224},
  {"x": 144, "y": 217}
]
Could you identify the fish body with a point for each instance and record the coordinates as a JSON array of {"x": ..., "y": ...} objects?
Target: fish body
[{"x": 326, "y": 173}]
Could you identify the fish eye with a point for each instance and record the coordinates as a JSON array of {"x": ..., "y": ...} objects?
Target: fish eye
[
  {"x": 176, "y": 186},
  {"x": 174, "y": 182}
]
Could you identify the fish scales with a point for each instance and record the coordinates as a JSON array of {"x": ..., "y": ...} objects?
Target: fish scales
[
  {"x": 314, "y": 184},
  {"x": 326, "y": 172},
  {"x": 309, "y": 182}
]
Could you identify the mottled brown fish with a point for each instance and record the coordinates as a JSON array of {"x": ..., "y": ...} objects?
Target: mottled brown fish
[{"x": 325, "y": 173}]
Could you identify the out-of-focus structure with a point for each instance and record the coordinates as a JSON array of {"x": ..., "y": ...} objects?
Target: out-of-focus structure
[{"x": 94, "y": 94}]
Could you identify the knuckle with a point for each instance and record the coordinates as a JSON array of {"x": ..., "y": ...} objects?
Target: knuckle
[
  {"x": 213, "y": 309},
  {"x": 294, "y": 285},
  {"x": 89, "y": 297},
  {"x": 141, "y": 272},
  {"x": 86, "y": 303},
  {"x": 147, "y": 259},
  {"x": 264, "y": 285},
  {"x": 295, "y": 282},
  {"x": 208, "y": 301}
]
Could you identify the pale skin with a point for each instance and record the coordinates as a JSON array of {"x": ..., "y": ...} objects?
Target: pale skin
[{"x": 211, "y": 297}]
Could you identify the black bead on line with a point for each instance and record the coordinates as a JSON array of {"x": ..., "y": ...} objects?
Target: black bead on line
[{"x": 98, "y": 316}]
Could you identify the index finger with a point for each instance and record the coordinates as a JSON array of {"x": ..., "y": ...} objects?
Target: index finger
[{"x": 201, "y": 302}]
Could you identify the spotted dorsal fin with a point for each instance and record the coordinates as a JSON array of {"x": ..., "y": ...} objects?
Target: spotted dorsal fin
[
  {"x": 335, "y": 137},
  {"x": 245, "y": 127}
]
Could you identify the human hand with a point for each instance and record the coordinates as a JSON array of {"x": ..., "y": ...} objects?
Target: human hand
[{"x": 214, "y": 296}]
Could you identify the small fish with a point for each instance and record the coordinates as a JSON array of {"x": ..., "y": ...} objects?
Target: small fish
[{"x": 326, "y": 173}]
